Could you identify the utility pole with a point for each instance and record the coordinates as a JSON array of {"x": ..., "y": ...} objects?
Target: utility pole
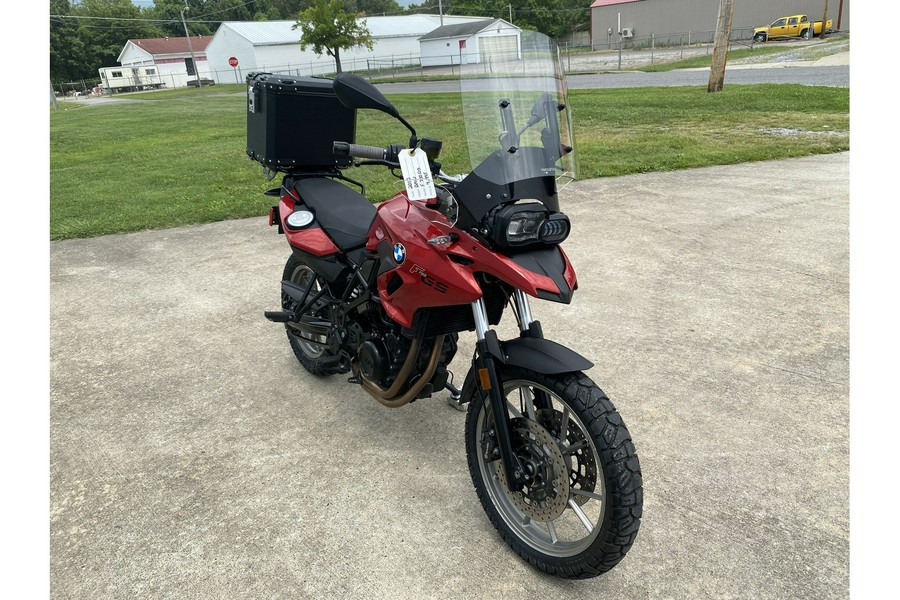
[
  {"x": 191, "y": 46},
  {"x": 824, "y": 22},
  {"x": 619, "y": 27},
  {"x": 440, "y": 10},
  {"x": 53, "y": 97},
  {"x": 720, "y": 49},
  {"x": 510, "y": 14}
]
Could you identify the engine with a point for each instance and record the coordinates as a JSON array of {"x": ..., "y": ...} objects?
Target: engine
[{"x": 380, "y": 358}]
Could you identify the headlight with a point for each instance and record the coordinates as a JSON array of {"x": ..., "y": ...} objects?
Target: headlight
[
  {"x": 520, "y": 225},
  {"x": 555, "y": 229},
  {"x": 524, "y": 227}
]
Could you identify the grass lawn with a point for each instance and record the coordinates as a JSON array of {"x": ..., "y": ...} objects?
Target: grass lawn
[{"x": 179, "y": 158}]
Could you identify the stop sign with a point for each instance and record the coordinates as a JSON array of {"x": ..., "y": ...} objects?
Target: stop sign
[{"x": 233, "y": 61}]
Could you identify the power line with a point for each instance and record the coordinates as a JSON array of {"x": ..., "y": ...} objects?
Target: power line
[
  {"x": 131, "y": 19},
  {"x": 215, "y": 12},
  {"x": 199, "y": 18}
]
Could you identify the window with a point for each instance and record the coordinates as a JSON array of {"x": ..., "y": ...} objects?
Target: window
[
  {"x": 803, "y": 19},
  {"x": 116, "y": 74},
  {"x": 792, "y": 21},
  {"x": 779, "y": 23},
  {"x": 151, "y": 71}
]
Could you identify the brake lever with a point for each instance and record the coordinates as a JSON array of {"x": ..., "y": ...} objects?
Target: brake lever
[{"x": 382, "y": 163}]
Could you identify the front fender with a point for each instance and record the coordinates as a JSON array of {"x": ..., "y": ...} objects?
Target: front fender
[
  {"x": 536, "y": 354},
  {"x": 544, "y": 356}
]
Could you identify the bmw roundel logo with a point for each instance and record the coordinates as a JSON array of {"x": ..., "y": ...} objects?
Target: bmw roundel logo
[{"x": 399, "y": 253}]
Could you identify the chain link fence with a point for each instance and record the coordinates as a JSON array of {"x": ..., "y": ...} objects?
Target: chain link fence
[
  {"x": 82, "y": 87},
  {"x": 614, "y": 52}
]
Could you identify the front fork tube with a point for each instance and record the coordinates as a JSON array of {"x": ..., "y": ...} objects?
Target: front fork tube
[
  {"x": 530, "y": 328},
  {"x": 487, "y": 357}
]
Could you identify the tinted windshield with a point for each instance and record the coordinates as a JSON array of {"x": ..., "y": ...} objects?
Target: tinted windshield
[
  {"x": 511, "y": 91},
  {"x": 517, "y": 124}
]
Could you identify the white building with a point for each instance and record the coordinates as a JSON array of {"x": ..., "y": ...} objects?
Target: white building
[
  {"x": 274, "y": 46},
  {"x": 127, "y": 79},
  {"x": 466, "y": 43},
  {"x": 170, "y": 57}
]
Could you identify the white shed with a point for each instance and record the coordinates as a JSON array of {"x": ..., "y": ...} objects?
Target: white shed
[
  {"x": 170, "y": 57},
  {"x": 466, "y": 43},
  {"x": 274, "y": 46}
]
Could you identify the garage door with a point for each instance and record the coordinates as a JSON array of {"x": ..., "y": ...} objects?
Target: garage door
[{"x": 499, "y": 45}]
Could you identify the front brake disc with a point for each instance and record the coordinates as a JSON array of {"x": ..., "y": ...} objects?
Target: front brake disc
[
  {"x": 546, "y": 495},
  {"x": 581, "y": 464}
]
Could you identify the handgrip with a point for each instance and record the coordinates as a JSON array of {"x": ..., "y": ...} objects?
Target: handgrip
[{"x": 358, "y": 151}]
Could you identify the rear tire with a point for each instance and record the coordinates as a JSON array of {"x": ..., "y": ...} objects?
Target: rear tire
[
  {"x": 309, "y": 349},
  {"x": 580, "y": 512}
]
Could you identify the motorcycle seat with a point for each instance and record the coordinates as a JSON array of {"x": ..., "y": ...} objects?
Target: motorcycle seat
[{"x": 343, "y": 213}]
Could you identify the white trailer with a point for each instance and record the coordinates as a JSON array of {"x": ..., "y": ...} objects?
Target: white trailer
[{"x": 130, "y": 79}]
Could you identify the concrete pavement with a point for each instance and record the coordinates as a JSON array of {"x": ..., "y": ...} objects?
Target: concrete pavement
[{"x": 192, "y": 457}]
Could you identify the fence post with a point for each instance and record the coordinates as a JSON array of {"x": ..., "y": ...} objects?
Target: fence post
[
  {"x": 682, "y": 45},
  {"x": 652, "y": 47}
]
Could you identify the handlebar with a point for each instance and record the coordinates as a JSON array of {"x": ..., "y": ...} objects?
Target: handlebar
[{"x": 388, "y": 154}]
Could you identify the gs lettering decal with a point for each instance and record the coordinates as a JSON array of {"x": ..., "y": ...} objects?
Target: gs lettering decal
[{"x": 428, "y": 279}]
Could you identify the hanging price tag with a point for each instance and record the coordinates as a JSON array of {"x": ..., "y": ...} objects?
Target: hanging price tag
[{"x": 416, "y": 174}]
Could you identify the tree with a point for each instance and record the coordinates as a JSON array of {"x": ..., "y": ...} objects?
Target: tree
[
  {"x": 104, "y": 39},
  {"x": 66, "y": 47},
  {"x": 328, "y": 28},
  {"x": 378, "y": 7},
  {"x": 290, "y": 9},
  {"x": 79, "y": 46}
]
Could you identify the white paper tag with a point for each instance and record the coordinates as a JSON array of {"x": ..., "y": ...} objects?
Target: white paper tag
[{"x": 416, "y": 174}]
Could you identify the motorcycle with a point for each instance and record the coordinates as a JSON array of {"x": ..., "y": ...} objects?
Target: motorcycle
[{"x": 383, "y": 292}]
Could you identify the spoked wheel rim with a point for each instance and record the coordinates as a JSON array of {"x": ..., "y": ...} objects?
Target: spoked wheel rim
[
  {"x": 312, "y": 346},
  {"x": 565, "y": 521}
]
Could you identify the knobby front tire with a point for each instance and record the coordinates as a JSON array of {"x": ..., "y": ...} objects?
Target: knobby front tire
[{"x": 580, "y": 512}]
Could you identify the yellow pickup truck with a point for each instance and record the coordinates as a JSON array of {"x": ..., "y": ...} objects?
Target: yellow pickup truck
[{"x": 793, "y": 26}]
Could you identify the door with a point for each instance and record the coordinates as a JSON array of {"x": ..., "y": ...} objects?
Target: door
[
  {"x": 506, "y": 46},
  {"x": 778, "y": 28},
  {"x": 793, "y": 27}
]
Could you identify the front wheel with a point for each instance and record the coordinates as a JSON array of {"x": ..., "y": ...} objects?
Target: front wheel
[
  {"x": 759, "y": 38},
  {"x": 579, "y": 512}
]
